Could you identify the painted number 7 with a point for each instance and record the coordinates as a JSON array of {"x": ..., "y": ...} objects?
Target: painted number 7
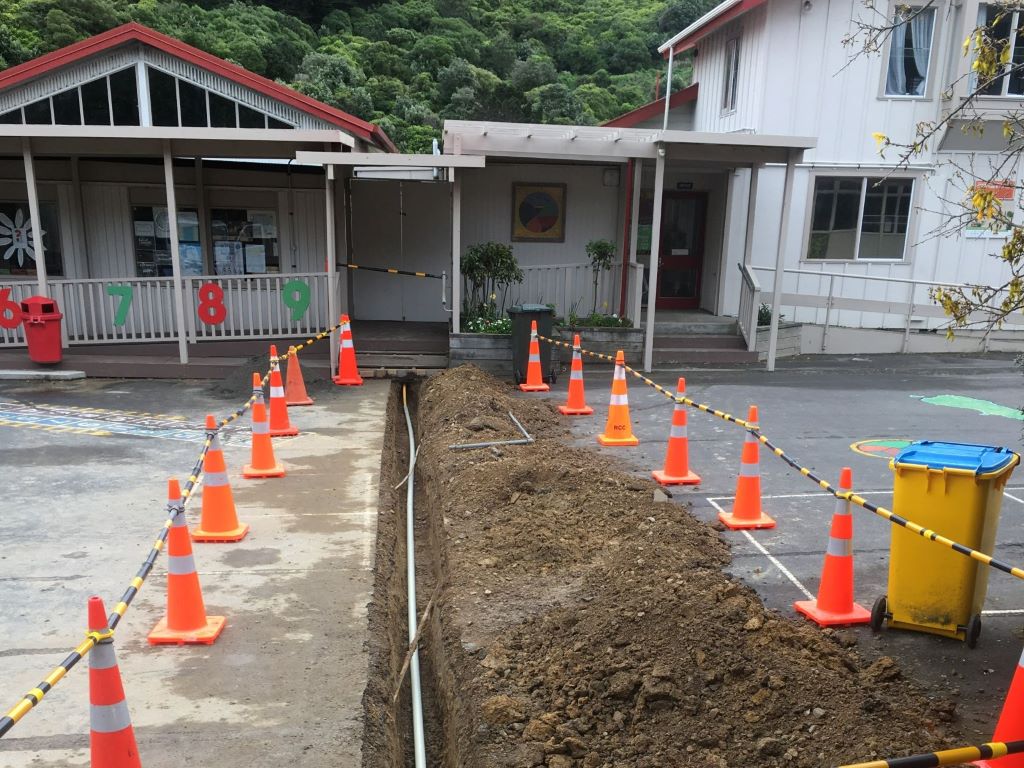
[
  {"x": 126, "y": 293},
  {"x": 295, "y": 296}
]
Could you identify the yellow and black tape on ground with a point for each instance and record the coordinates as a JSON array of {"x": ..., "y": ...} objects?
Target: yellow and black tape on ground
[
  {"x": 35, "y": 695},
  {"x": 947, "y": 756},
  {"x": 860, "y": 501},
  {"x": 395, "y": 271}
]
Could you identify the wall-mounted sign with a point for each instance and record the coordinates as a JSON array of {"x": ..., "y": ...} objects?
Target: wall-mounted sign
[{"x": 684, "y": 185}]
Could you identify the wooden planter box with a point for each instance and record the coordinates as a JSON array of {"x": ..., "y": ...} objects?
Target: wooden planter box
[
  {"x": 789, "y": 340},
  {"x": 604, "y": 340},
  {"x": 490, "y": 351}
]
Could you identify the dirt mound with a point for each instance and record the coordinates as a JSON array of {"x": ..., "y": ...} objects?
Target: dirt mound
[{"x": 586, "y": 624}]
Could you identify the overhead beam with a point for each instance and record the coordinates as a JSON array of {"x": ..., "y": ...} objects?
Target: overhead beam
[{"x": 382, "y": 159}]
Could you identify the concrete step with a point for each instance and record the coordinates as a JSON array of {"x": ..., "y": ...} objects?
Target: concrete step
[
  {"x": 701, "y": 355},
  {"x": 400, "y": 360},
  {"x": 701, "y": 341},
  {"x": 718, "y": 326}
]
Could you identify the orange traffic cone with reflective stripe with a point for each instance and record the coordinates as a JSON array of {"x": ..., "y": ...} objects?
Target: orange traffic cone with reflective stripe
[
  {"x": 294, "y": 385},
  {"x": 746, "y": 507},
  {"x": 677, "y": 456},
  {"x": 618, "y": 430},
  {"x": 263, "y": 462},
  {"x": 280, "y": 425},
  {"x": 111, "y": 736},
  {"x": 834, "y": 605},
  {"x": 534, "y": 376},
  {"x": 348, "y": 371},
  {"x": 186, "y": 620},
  {"x": 576, "y": 404},
  {"x": 1008, "y": 727},
  {"x": 218, "y": 520}
]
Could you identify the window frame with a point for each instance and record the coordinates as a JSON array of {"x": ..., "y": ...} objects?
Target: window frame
[
  {"x": 730, "y": 94},
  {"x": 928, "y": 91},
  {"x": 863, "y": 175},
  {"x": 1017, "y": 18}
]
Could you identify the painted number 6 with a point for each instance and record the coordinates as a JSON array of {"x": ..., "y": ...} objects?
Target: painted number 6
[
  {"x": 211, "y": 304},
  {"x": 295, "y": 296},
  {"x": 10, "y": 312}
]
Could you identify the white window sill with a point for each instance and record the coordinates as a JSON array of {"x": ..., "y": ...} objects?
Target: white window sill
[{"x": 905, "y": 97}]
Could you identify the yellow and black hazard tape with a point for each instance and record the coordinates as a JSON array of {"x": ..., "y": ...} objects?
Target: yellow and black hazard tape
[
  {"x": 35, "y": 695},
  {"x": 392, "y": 271},
  {"x": 839, "y": 493},
  {"x": 947, "y": 756}
]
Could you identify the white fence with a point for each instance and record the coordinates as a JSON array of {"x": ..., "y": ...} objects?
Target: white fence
[
  {"x": 141, "y": 309},
  {"x": 570, "y": 287}
]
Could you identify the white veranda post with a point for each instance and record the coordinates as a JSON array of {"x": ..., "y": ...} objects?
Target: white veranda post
[
  {"x": 652, "y": 283},
  {"x": 332, "y": 262},
  {"x": 456, "y": 251},
  {"x": 780, "y": 261},
  {"x": 172, "y": 230},
  {"x": 35, "y": 223}
]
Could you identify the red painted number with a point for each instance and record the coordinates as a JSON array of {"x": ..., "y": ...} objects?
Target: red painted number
[
  {"x": 211, "y": 304},
  {"x": 10, "y": 312}
]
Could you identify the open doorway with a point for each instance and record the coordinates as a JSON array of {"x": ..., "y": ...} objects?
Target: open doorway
[{"x": 683, "y": 225}]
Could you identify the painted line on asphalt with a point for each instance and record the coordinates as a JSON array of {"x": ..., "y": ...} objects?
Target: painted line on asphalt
[{"x": 774, "y": 560}]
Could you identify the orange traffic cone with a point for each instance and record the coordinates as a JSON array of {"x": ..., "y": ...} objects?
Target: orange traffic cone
[
  {"x": 534, "y": 376},
  {"x": 618, "y": 430},
  {"x": 263, "y": 462},
  {"x": 186, "y": 620},
  {"x": 294, "y": 385},
  {"x": 111, "y": 736},
  {"x": 1008, "y": 727},
  {"x": 835, "y": 605},
  {"x": 576, "y": 404},
  {"x": 348, "y": 371},
  {"x": 218, "y": 520},
  {"x": 677, "y": 457},
  {"x": 746, "y": 507},
  {"x": 280, "y": 425}
]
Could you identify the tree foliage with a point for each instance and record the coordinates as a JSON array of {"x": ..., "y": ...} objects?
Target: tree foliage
[{"x": 403, "y": 64}]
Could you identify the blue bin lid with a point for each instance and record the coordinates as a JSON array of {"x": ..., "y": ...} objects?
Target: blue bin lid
[{"x": 980, "y": 459}]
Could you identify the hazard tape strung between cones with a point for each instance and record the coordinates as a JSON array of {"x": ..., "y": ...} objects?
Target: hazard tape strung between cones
[
  {"x": 395, "y": 271},
  {"x": 35, "y": 695},
  {"x": 850, "y": 496},
  {"x": 956, "y": 756}
]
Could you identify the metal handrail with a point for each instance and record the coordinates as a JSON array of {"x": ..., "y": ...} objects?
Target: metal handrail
[{"x": 878, "y": 278}]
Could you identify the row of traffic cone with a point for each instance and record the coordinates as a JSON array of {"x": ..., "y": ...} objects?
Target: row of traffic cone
[{"x": 834, "y": 604}]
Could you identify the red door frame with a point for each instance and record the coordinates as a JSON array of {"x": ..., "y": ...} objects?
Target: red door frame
[{"x": 693, "y": 260}]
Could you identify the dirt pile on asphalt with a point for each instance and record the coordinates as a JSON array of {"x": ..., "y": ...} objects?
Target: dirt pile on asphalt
[{"x": 586, "y": 624}]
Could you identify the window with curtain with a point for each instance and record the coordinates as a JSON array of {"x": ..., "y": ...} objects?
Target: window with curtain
[
  {"x": 732, "y": 70},
  {"x": 855, "y": 217},
  {"x": 910, "y": 48},
  {"x": 1003, "y": 27}
]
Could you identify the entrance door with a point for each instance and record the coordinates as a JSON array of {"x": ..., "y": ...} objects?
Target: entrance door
[{"x": 682, "y": 250}]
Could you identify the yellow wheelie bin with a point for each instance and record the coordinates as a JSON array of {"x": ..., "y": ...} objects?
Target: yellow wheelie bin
[{"x": 956, "y": 490}]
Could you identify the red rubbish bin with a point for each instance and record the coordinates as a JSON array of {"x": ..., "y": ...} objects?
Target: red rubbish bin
[{"x": 41, "y": 322}]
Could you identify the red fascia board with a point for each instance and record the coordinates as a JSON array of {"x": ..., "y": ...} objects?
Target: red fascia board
[
  {"x": 137, "y": 32},
  {"x": 655, "y": 108},
  {"x": 691, "y": 40}
]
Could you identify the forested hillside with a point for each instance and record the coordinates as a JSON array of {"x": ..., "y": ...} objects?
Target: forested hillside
[{"x": 404, "y": 64}]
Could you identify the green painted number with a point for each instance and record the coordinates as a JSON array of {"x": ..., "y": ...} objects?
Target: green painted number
[
  {"x": 126, "y": 293},
  {"x": 295, "y": 295}
]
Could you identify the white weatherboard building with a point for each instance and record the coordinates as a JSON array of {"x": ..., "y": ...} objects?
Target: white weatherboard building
[{"x": 144, "y": 183}]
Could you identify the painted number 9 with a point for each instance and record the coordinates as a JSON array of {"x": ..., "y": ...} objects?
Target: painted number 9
[
  {"x": 10, "y": 312},
  {"x": 211, "y": 304},
  {"x": 295, "y": 296}
]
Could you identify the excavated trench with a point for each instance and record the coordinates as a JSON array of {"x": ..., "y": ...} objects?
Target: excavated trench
[{"x": 582, "y": 623}]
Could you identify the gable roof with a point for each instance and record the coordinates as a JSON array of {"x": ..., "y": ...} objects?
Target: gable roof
[
  {"x": 134, "y": 32},
  {"x": 653, "y": 109},
  {"x": 717, "y": 17}
]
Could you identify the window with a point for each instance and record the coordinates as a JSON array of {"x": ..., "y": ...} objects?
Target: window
[
  {"x": 1002, "y": 25},
  {"x": 910, "y": 48},
  {"x": 732, "y": 69},
  {"x": 177, "y": 102},
  {"x": 859, "y": 218},
  {"x": 97, "y": 102},
  {"x": 18, "y": 235},
  {"x": 153, "y": 241},
  {"x": 244, "y": 241}
]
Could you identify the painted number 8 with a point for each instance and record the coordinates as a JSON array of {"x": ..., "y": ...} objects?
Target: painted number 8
[
  {"x": 295, "y": 296},
  {"x": 211, "y": 304}
]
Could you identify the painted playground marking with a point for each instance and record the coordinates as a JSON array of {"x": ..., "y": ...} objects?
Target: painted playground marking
[
  {"x": 103, "y": 422},
  {"x": 983, "y": 407},
  {"x": 880, "y": 448},
  {"x": 713, "y": 501}
]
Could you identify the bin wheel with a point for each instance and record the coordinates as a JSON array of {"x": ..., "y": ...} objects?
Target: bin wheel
[
  {"x": 879, "y": 612},
  {"x": 973, "y": 631}
]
